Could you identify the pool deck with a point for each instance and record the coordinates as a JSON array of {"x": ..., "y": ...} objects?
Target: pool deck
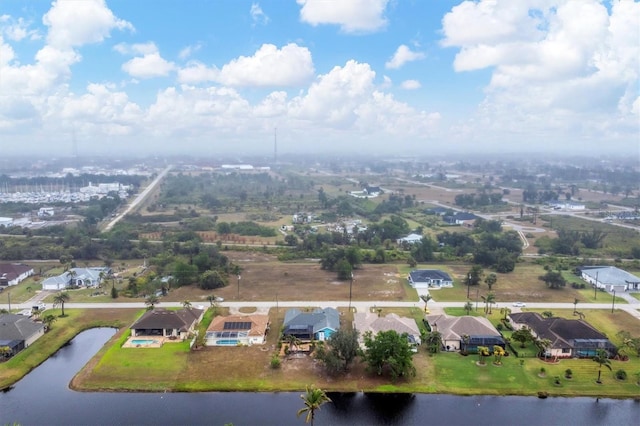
[{"x": 159, "y": 341}]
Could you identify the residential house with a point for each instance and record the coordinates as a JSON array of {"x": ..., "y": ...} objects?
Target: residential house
[
  {"x": 18, "y": 332},
  {"x": 429, "y": 278},
  {"x": 81, "y": 277},
  {"x": 318, "y": 324},
  {"x": 465, "y": 333},
  {"x": 234, "y": 330},
  {"x": 610, "y": 278},
  {"x": 162, "y": 322},
  {"x": 372, "y": 191},
  {"x": 14, "y": 273},
  {"x": 569, "y": 338},
  {"x": 367, "y": 321},
  {"x": 410, "y": 239},
  {"x": 460, "y": 218}
]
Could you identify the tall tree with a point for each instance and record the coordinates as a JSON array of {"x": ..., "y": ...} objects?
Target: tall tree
[
  {"x": 602, "y": 358},
  {"x": 60, "y": 299},
  {"x": 313, "y": 398},
  {"x": 490, "y": 280},
  {"x": 523, "y": 336},
  {"x": 468, "y": 307},
  {"x": 389, "y": 351},
  {"x": 151, "y": 301},
  {"x": 342, "y": 348},
  {"x": 48, "y": 319},
  {"x": 425, "y": 298}
]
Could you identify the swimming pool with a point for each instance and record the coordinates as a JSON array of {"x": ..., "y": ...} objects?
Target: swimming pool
[
  {"x": 144, "y": 342},
  {"x": 227, "y": 342}
]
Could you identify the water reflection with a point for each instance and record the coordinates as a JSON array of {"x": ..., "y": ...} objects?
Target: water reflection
[{"x": 43, "y": 397}]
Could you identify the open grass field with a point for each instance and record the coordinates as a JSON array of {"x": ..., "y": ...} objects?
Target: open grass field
[
  {"x": 520, "y": 285},
  {"x": 263, "y": 278}
]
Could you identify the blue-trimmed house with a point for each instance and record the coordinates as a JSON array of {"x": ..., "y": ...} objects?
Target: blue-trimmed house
[{"x": 318, "y": 324}]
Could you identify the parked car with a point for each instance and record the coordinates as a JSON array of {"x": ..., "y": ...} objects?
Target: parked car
[
  {"x": 519, "y": 304},
  {"x": 39, "y": 307}
]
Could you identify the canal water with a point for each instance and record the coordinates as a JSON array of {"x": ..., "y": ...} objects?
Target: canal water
[{"x": 44, "y": 398}]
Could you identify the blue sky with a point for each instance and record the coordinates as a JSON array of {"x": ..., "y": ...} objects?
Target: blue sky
[{"x": 379, "y": 76}]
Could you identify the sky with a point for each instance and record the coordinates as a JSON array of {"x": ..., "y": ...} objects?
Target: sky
[{"x": 370, "y": 77}]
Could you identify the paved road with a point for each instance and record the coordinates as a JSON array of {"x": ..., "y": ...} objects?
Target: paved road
[
  {"x": 434, "y": 307},
  {"x": 139, "y": 198}
]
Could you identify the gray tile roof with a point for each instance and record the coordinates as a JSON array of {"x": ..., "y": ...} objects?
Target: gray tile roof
[
  {"x": 318, "y": 319},
  {"x": 453, "y": 328},
  {"x": 18, "y": 327}
]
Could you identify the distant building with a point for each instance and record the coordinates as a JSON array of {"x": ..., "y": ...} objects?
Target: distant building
[
  {"x": 81, "y": 277},
  {"x": 14, "y": 273},
  {"x": 6, "y": 221},
  {"x": 429, "y": 278},
  {"x": 410, "y": 239},
  {"x": 610, "y": 278}
]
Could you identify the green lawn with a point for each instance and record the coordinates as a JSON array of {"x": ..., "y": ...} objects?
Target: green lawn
[
  {"x": 61, "y": 332},
  {"x": 127, "y": 368}
]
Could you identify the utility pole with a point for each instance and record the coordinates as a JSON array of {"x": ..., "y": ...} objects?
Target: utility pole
[
  {"x": 595, "y": 288},
  {"x": 468, "y": 285},
  {"x": 9, "y": 297},
  {"x": 613, "y": 301},
  {"x": 239, "y": 286},
  {"x": 350, "y": 290}
]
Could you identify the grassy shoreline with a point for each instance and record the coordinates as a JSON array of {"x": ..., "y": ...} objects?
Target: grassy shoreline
[{"x": 175, "y": 368}]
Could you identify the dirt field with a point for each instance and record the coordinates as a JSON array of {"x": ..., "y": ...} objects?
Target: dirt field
[{"x": 264, "y": 278}]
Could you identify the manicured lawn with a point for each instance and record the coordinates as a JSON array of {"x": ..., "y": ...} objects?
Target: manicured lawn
[{"x": 62, "y": 331}]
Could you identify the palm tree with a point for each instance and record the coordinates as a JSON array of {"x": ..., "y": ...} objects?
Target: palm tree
[
  {"x": 465, "y": 342},
  {"x": 491, "y": 299},
  {"x": 468, "y": 307},
  {"x": 575, "y": 305},
  {"x": 60, "y": 298},
  {"x": 505, "y": 312},
  {"x": 602, "y": 358},
  {"x": 186, "y": 304},
  {"x": 483, "y": 351},
  {"x": 313, "y": 399},
  {"x": 425, "y": 299},
  {"x": 490, "y": 280},
  {"x": 48, "y": 320},
  {"x": 151, "y": 301},
  {"x": 292, "y": 341},
  {"x": 212, "y": 299},
  {"x": 543, "y": 345},
  {"x": 72, "y": 274}
]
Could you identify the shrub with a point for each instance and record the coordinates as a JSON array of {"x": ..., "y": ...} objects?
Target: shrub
[
  {"x": 499, "y": 327},
  {"x": 568, "y": 373},
  {"x": 275, "y": 362},
  {"x": 621, "y": 375}
]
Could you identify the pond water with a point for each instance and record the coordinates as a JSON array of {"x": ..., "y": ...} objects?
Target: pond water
[{"x": 43, "y": 397}]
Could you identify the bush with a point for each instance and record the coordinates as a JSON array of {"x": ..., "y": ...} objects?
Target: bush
[
  {"x": 568, "y": 373},
  {"x": 275, "y": 362},
  {"x": 621, "y": 375}
]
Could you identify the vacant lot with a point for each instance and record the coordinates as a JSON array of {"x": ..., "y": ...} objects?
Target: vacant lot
[
  {"x": 265, "y": 278},
  {"x": 522, "y": 284}
]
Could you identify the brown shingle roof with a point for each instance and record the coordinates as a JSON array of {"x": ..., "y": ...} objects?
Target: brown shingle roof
[
  {"x": 259, "y": 323},
  {"x": 181, "y": 320}
]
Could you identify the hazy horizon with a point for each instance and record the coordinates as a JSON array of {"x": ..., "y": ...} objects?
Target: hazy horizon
[{"x": 365, "y": 77}]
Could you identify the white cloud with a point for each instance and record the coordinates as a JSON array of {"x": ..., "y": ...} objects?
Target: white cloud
[
  {"x": 561, "y": 69},
  {"x": 148, "y": 66},
  {"x": 410, "y": 84},
  {"x": 186, "y": 52},
  {"x": 136, "y": 49},
  {"x": 76, "y": 23},
  {"x": 403, "y": 55},
  {"x": 287, "y": 67},
  {"x": 353, "y": 16},
  {"x": 257, "y": 15},
  {"x": 17, "y": 29}
]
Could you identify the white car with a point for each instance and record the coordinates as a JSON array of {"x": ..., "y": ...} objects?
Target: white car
[{"x": 519, "y": 304}]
